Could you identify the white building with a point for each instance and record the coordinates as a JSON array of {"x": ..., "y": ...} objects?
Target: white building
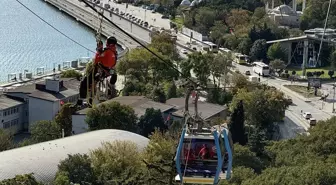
[
  {"x": 42, "y": 159},
  {"x": 42, "y": 101},
  {"x": 11, "y": 114},
  {"x": 284, "y": 15}
]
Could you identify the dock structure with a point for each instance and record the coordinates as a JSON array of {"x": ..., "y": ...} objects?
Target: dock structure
[{"x": 17, "y": 79}]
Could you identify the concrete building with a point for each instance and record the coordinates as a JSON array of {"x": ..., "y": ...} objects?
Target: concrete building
[
  {"x": 42, "y": 159},
  {"x": 11, "y": 114},
  {"x": 138, "y": 103},
  {"x": 285, "y": 15},
  {"x": 42, "y": 100},
  {"x": 207, "y": 111},
  {"x": 304, "y": 49}
]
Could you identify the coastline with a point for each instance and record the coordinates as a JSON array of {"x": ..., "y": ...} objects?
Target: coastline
[{"x": 5, "y": 85}]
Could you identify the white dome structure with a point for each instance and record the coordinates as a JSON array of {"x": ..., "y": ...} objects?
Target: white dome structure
[
  {"x": 283, "y": 9},
  {"x": 42, "y": 159},
  {"x": 185, "y": 3},
  {"x": 194, "y": 3}
]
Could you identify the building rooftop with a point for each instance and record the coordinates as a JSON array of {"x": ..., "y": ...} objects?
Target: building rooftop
[
  {"x": 70, "y": 88},
  {"x": 206, "y": 110},
  {"x": 7, "y": 102},
  {"x": 283, "y": 10},
  {"x": 42, "y": 159},
  {"x": 138, "y": 103}
]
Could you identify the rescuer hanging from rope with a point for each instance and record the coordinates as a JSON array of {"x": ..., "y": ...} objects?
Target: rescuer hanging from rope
[{"x": 103, "y": 65}]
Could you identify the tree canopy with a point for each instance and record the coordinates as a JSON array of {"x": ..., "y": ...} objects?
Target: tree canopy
[
  {"x": 5, "y": 140},
  {"x": 27, "y": 179},
  {"x": 112, "y": 115}
]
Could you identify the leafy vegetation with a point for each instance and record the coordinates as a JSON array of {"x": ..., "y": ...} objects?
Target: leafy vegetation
[{"x": 27, "y": 179}]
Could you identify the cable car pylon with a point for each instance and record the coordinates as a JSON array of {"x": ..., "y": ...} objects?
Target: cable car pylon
[{"x": 204, "y": 153}]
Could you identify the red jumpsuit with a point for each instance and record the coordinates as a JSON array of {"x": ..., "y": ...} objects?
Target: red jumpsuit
[{"x": 107, "y": 58}]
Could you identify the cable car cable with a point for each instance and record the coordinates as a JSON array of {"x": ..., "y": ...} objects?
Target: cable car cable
[
  {"x": 141, "y": 44},
  {"x": 79, "y": 44}
]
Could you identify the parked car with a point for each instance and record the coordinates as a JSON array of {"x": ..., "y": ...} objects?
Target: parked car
[
  {"x": 290, "y": 101},
  {"x": 165, "y": 17},
  {"x": 184, "y": 51},
  {"x": 247, "y": 73},
  {"x": 307, "y": 115},
  {"x": 107, "y": 6},
  {"x": 146, "y": 24}
]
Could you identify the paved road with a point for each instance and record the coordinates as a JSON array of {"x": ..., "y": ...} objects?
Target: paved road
[
  {"x": 293, "y": 118},
  {"x": 146, "y": 15},
  {"x": 135, "y": 29}
]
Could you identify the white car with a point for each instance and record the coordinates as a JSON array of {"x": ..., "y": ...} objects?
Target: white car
[
  {"x": 312, "y": 121},
  {"x": 307, "y": 115}
]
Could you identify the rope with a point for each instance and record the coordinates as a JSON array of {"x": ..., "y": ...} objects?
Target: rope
[
  {"x": 186, "y": 163},
  {"x": 187, "y": 115},
  {"x": 324, "y": 30},
  {"x": 94, "y": 95},
  {"x": 79, "y": 44}
]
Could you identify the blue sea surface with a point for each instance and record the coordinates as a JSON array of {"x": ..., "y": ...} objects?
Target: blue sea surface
[{"x": 27, "y": 43}]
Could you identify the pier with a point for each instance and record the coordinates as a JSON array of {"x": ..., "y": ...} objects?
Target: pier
[{"x": 18, "y": 79}]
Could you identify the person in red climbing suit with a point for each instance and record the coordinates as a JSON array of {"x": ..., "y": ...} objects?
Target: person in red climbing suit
[
  {"x": 104, "y": 65},
  {"x": 204, "y": 152},
  {"x": 189, "y": 155}
]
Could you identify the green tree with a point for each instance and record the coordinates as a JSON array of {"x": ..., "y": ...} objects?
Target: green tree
[
  {"x": 262, "y": 107},
  {"x": 42, "y": 131},
  {"x": 172, "y": 91},
  {"x": 236, "y": 126},
  {"x": 258, "y": 50},
  {"x": 112, "y": 115},
  {"x": 276, "y": 52},
  {"x": 27, "y": 179},
  {"x": 6, "y": 141},
  {"x": 244, "y": 157},
  {"x": 278, "y": 65},
  {"x": 245, "y": 46},
  {"x": 143, "y": 66},
  {"x": 217, "y": 32},
  {"x": 118, "y": 163},
  {"x": 136, "y": 63},
  {"x": 159, "y": 158},
  {"x": 201, "y": 66},
  {"x": 257, "y": 141},
  {"x": 151, "y": 120},
  {"x": 134, "y": 87},
  {"x": 239, "y": 81},
  {"x": 219, "y": 68},
  {"x": 165, "y": 44},
  {"x": 71, "y": 74},
  {"x": 64, "y": 118},
  {"x": 186, "y": 66},
  {"x": 205, "y": 19},
  {"x": 218, "y": 96},
  {"x": 75, "y": 169},
  {"x": 311, "y": 173},
  {"x": 332, "y": 60},
  {"x": 158, "y": 95},
  {"x": 238, "y": 19},
  {"x": 241, "y": 174}
]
